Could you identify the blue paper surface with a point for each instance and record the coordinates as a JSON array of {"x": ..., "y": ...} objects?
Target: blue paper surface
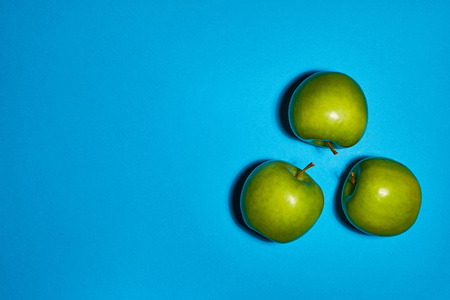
[{"x": 128, "y": 127}]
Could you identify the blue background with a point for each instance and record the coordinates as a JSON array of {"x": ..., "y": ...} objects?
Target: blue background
[{"x": 128, "y": 127}]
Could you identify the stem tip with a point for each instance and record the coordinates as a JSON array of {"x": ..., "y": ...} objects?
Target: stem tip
[
  {"x": 331, "y": 148},
  {"x": 311, "y": 164},
  {"x": 352, "y": 177}
]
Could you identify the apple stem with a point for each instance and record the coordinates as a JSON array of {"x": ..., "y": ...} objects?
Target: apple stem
[
  {"x": 306, "y": 168},
  {"x": 352, "y": 177},
  {"x": 331, "y": 147}
]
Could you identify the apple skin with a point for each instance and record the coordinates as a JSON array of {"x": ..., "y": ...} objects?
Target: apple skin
[
  {"x": 279, "y": 206},
  {"x": 328, "y": 107},
  {"x": 386, "y": 198}
]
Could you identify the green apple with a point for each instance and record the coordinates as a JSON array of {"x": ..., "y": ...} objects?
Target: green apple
[
  {"x": 328, "y": 109},
  {"x": 381, "y": 197},
  {"x": 280, "y": 201}
]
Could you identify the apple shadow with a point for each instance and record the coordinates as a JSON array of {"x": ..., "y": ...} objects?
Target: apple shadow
[
  {"x": 338, "y": 210},
  {"x": 234, "y": 200},
  {"x": 283, "y": 103}
]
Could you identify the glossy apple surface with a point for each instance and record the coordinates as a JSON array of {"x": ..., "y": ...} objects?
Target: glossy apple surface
[
  {"x": 328, "y": 107},
  {"x": 381, "y": 197},
  {"x": 277, "y": 204}
]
